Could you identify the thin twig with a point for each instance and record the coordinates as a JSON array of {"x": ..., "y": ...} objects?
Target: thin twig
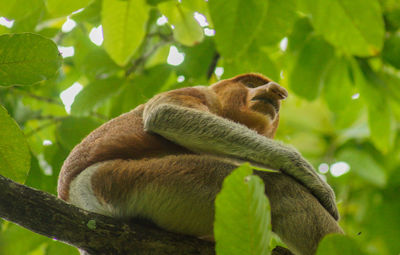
[
  {"x": 37, "y": 97},
  {"x": 213, "y": 65},
  {"x": 52, "y": 121}
]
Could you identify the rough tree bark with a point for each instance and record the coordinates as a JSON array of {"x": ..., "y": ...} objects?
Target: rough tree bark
[{"x": 47, "y": 215}]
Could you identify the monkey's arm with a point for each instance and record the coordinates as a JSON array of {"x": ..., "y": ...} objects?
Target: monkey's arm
[{"x": 202, "y": 131}]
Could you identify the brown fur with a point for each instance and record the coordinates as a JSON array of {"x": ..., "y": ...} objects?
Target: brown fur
[
  {"x": 135, "y": 160},
  {"x": 293, "y": 209},
  {"x": 120, "y": 138}
]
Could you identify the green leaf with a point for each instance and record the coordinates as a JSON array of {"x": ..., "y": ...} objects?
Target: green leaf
[
  {"x": 274, "y": 29},
  {"x": 14, "y": 150},
  {"x": 90, "y": 14},
  {"x": 381, "y": 123},
  {"x": 197, "y": 59},
  {"x": 338, "y": 86},
  {"x": 338, "y": 92},
  {"x": 60, "y": 8},
  {"x": 236, "y": 23},
  {"x": 19, "y": 9},
  {"x": 301, "y": 32},
  {"x": 39, "y": 180},
  {"x": 254, "y": 59},
  {"x": 308, "y": 72},
  {"x": 187, "y": 30},
  {"x": 98, "y": 63},
  {"x": 392, "y": 18},
  {"x": 29, "y": 22},
  {"x": 72, "y": 130},
  {"x": 124, "y": 27},
  {"x": 391, "y": 50},
  {"x": 27, "y": 58},
  {"x": 27, "y": 241},
  {"x": 335, "y": 244},
  {"x": 141, "y": 88},
  {"x": 364, "y": 165},
  {"x": 354, "y": 26},
  {"x": 242, "y": 217},
  {"x": 94, "y": 95},
  {"x": 382, "y": 217},
  {"x": 59, "y": 248},
  {"x": 380, "y": 120}
]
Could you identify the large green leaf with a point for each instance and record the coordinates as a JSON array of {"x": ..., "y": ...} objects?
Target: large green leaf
[
  {"x": 124, "y": 27},
  {"x": 30, "y": 243},
  {"x": 364, "y": 165},
  {"x": 91, "y": 14},
  {"x": 19, "y": 9},
  {"x": 254, "y": 59},
  {"x": 236, "y": 23},
  {"x": 338, "y": 244},
  {"x": 187, "y": 30},
  {"x": 72, "y": 130},
  {"x": 382, "y": 217},
  {"x": 338, "y": 92},
  {"x": 380, "y": 120},
  {"x": 152, "y": 81},
  {"x": 97, "y": 63},
  {"x": 63, "y": 8},
  {"x": 27, "y": 58},
  {"x": 355, "y": 26},
  {"x": 308, "y": 72},
  {"x": 302, "y": 31},
  {"x": 242, "y": 217},
  {"x": 198, "y": 59},
  {"x": 94, "y": 94},
  {"x": 391, "y": 50},
  {"x": 278, "y": 22},
  {"x": 14, "y": 151}
]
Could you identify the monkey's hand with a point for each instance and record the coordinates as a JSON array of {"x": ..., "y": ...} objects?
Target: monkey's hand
[{"x": 204, "y": 132}]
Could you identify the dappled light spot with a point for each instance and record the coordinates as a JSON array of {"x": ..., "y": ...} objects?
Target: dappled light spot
[
  {"x": 219, "y": 71},
  {"x": 209, "y": 32},
  {"x": 201, "y": 19},
  {"x": 175, "y": 57},
  {"x": 323, "y": 168},
  {"x": 355, "y": 96},
  {"x": 66, "y": 51},
  {"x": 181, "y": 78},
  {"x": 283, "y": 44},
  {"x": 96, "y": 35},
  {"x": 47, "y": 142},
  {"x": 162, "y": 20},
  {"x": 339, "y": 168},
  {"x": 68, "y": 25},
  {"x": 68, "y": 95},
  {"x": 5, "y": 22}
]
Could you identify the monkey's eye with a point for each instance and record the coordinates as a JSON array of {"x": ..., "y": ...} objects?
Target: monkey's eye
[{"x": 250, "y": 84}]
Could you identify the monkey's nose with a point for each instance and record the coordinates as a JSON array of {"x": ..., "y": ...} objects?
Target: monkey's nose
[{"x": 274, "y": 89}]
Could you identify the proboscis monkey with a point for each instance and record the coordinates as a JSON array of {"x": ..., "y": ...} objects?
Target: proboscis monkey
[{"x": 165, "y": 161}]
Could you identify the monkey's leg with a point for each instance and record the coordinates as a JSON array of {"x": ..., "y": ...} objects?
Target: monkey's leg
[
  {"x": 297, "y": 216},
  {"x": 177, "y": 193}
]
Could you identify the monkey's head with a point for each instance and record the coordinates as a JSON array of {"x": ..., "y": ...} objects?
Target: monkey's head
[{"x": 252, "y": 100}]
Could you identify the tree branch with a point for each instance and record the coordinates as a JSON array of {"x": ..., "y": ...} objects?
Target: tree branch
[{"x": 47, "y": 215}]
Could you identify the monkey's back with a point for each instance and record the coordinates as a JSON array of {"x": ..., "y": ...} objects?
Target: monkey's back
[{"x": 120, "y": 138}]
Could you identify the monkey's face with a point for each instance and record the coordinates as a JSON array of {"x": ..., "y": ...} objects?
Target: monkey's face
[{"x": 252, "y": 100}]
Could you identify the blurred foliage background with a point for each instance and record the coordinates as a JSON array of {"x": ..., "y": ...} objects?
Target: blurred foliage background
[{"x": 66, "y": 67}]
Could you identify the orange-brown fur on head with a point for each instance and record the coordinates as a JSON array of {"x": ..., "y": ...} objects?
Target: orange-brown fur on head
[{"x": 252, "y": 100}]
